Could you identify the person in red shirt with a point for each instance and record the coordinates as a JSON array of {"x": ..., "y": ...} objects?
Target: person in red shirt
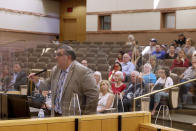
[
  {"x": 117, "y": 67},
  {"x": 180, "y": 61},
  {"x": 118, "y": 86}
]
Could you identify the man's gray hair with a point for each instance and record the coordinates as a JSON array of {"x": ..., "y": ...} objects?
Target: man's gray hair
[
  {"x": 68, "y": 50},
  {"x": 135, "y": 72}
]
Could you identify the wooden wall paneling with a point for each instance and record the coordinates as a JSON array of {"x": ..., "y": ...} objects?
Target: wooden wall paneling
[
  {"x": 68, "y": 126},
  {"x": 90, "y": 125},
  {"x": 39, "y": 127},
  {"x": 109, "y": 125},
  {"x": 73, "y": 24}
]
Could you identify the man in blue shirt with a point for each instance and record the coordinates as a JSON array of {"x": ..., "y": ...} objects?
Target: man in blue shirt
[
  {"x": 127, "y": 66},
  {"x": 158, "y": 52}
]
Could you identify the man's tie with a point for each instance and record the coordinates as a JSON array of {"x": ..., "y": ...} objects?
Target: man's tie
[{"x": 59, "y": 91}]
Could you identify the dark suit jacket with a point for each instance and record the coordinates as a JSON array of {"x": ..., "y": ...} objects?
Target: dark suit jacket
[
  {"x": 21, "y": 79},
  {"x": 80, "y": 81}
]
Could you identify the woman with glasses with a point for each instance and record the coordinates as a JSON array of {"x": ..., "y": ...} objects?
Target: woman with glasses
[
  {"x": 164, "y": 81},
  {"x": 106, "y": 98},
  {"x": 117, "y": 67}
]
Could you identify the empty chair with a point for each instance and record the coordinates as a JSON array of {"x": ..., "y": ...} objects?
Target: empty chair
[
  {"x": 95, "y": 50},
  {"x": 31, "y": 65},
  {"x": 42, "y": 46},
  {"x": 36, "y": 54},
  {"x": 102, "y": 55},
  {"x": 44, "y": 59},
  {"x": 113, "y": 55},
  {"x": 109, "y": 43},
  {"x": 106, "y": 50},
  {"x": 175, "y": 78},
  {"x": 53, "y": 60},
  {"x": 91, "y": 60},
  {"x": 22, "y": 59},
  {"x": 116, "y": 50},
  {"x": 33, "y": 59},
  {"x": 38, "y": 50},
  {"x": 91, "y": 54},
  {"x": 98, "y": 43},
  {"x": 112, "y": 61},
  {"x": 51, "y": 45},
  {"x": 102, "y": 67},
  {"x": 86, "y": 43},
  {"x": 92, "y": 66},
  {"x": 121, "y": 43},
  {"x": 80, "y": 54},
  {"x": 47, "y": 54},
  {"x": 168, "y": 62},
  {"x": 84, "y": 49},
  {"x": 102, "y": 61},
  {"x": 178, "y": 70},
  {"x": 40, "y": 65},
  {"x": 30, "y": 50}
]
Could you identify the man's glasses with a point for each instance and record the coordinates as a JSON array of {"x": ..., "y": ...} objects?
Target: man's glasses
[{"x": 59, "y": 54}]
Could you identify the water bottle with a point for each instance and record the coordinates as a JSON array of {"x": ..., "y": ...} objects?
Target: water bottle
[{"x": 41, "y": 113}]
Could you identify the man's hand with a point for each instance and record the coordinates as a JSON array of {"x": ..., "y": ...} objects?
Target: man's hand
[{"x": 33, "y": 78}]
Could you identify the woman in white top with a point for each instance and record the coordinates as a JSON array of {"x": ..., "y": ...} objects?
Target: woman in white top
[
  {"x": 164, "y": 81},
  {"x": 106, "y": 98}
]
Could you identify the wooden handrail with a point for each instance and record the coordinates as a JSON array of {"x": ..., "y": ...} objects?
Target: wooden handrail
[{"x": 157, "y": 91}]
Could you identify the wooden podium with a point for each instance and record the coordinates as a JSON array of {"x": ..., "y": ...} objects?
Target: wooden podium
[{"x": 13, "y": 105}]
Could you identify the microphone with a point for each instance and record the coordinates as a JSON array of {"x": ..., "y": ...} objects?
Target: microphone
[{"x": 44, "y": 70}]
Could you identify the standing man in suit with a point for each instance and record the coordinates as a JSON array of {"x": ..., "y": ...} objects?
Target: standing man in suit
[
  {"x": 69, "y": 77},
  {"x": 19, "y": 77}
]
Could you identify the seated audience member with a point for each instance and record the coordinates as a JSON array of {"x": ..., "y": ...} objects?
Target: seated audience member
[
  {"x": 98, "y": 78},
  {"x": 56, "y": 40},
  {"x": 154, "y": 65},
  {"x": 134, "y": 89},
  {"x": 148, "y": 77},
  {"x": 149, "y": 49},
  {"x": 189, "y": 48},
  {"x": 120, "y": 57},
  {"x": 118, "y": 86},
  {"x": 4, "y": 78},
  {"x": 164, "y": 81},
  {"x": 180, "y": 61},
  {"x": 181, "y": 40},
  {"x": 131, "y": 40},
  {"x": 136, "y": 58},
  {"x": 117, "y": 67},
  {"x": 189, "y": 74},
  {"x": 106, "y": 98},
  {"x": 127, "y": 66},
  {"x": 133, "y": 44},
  {"x": 160, "y": 54},
  {"x": 84, "y": 62},
  {"x": 19, "y": 77},
  {"x": 177, "y": 48},
  {"x": 171, "y": 53}
]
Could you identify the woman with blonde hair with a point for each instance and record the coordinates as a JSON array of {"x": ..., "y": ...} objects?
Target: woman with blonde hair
[
  {"x": 189, "y": 47},
  {"x": 106, "y": 98},
  {"x": 180, "y": 61}
]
